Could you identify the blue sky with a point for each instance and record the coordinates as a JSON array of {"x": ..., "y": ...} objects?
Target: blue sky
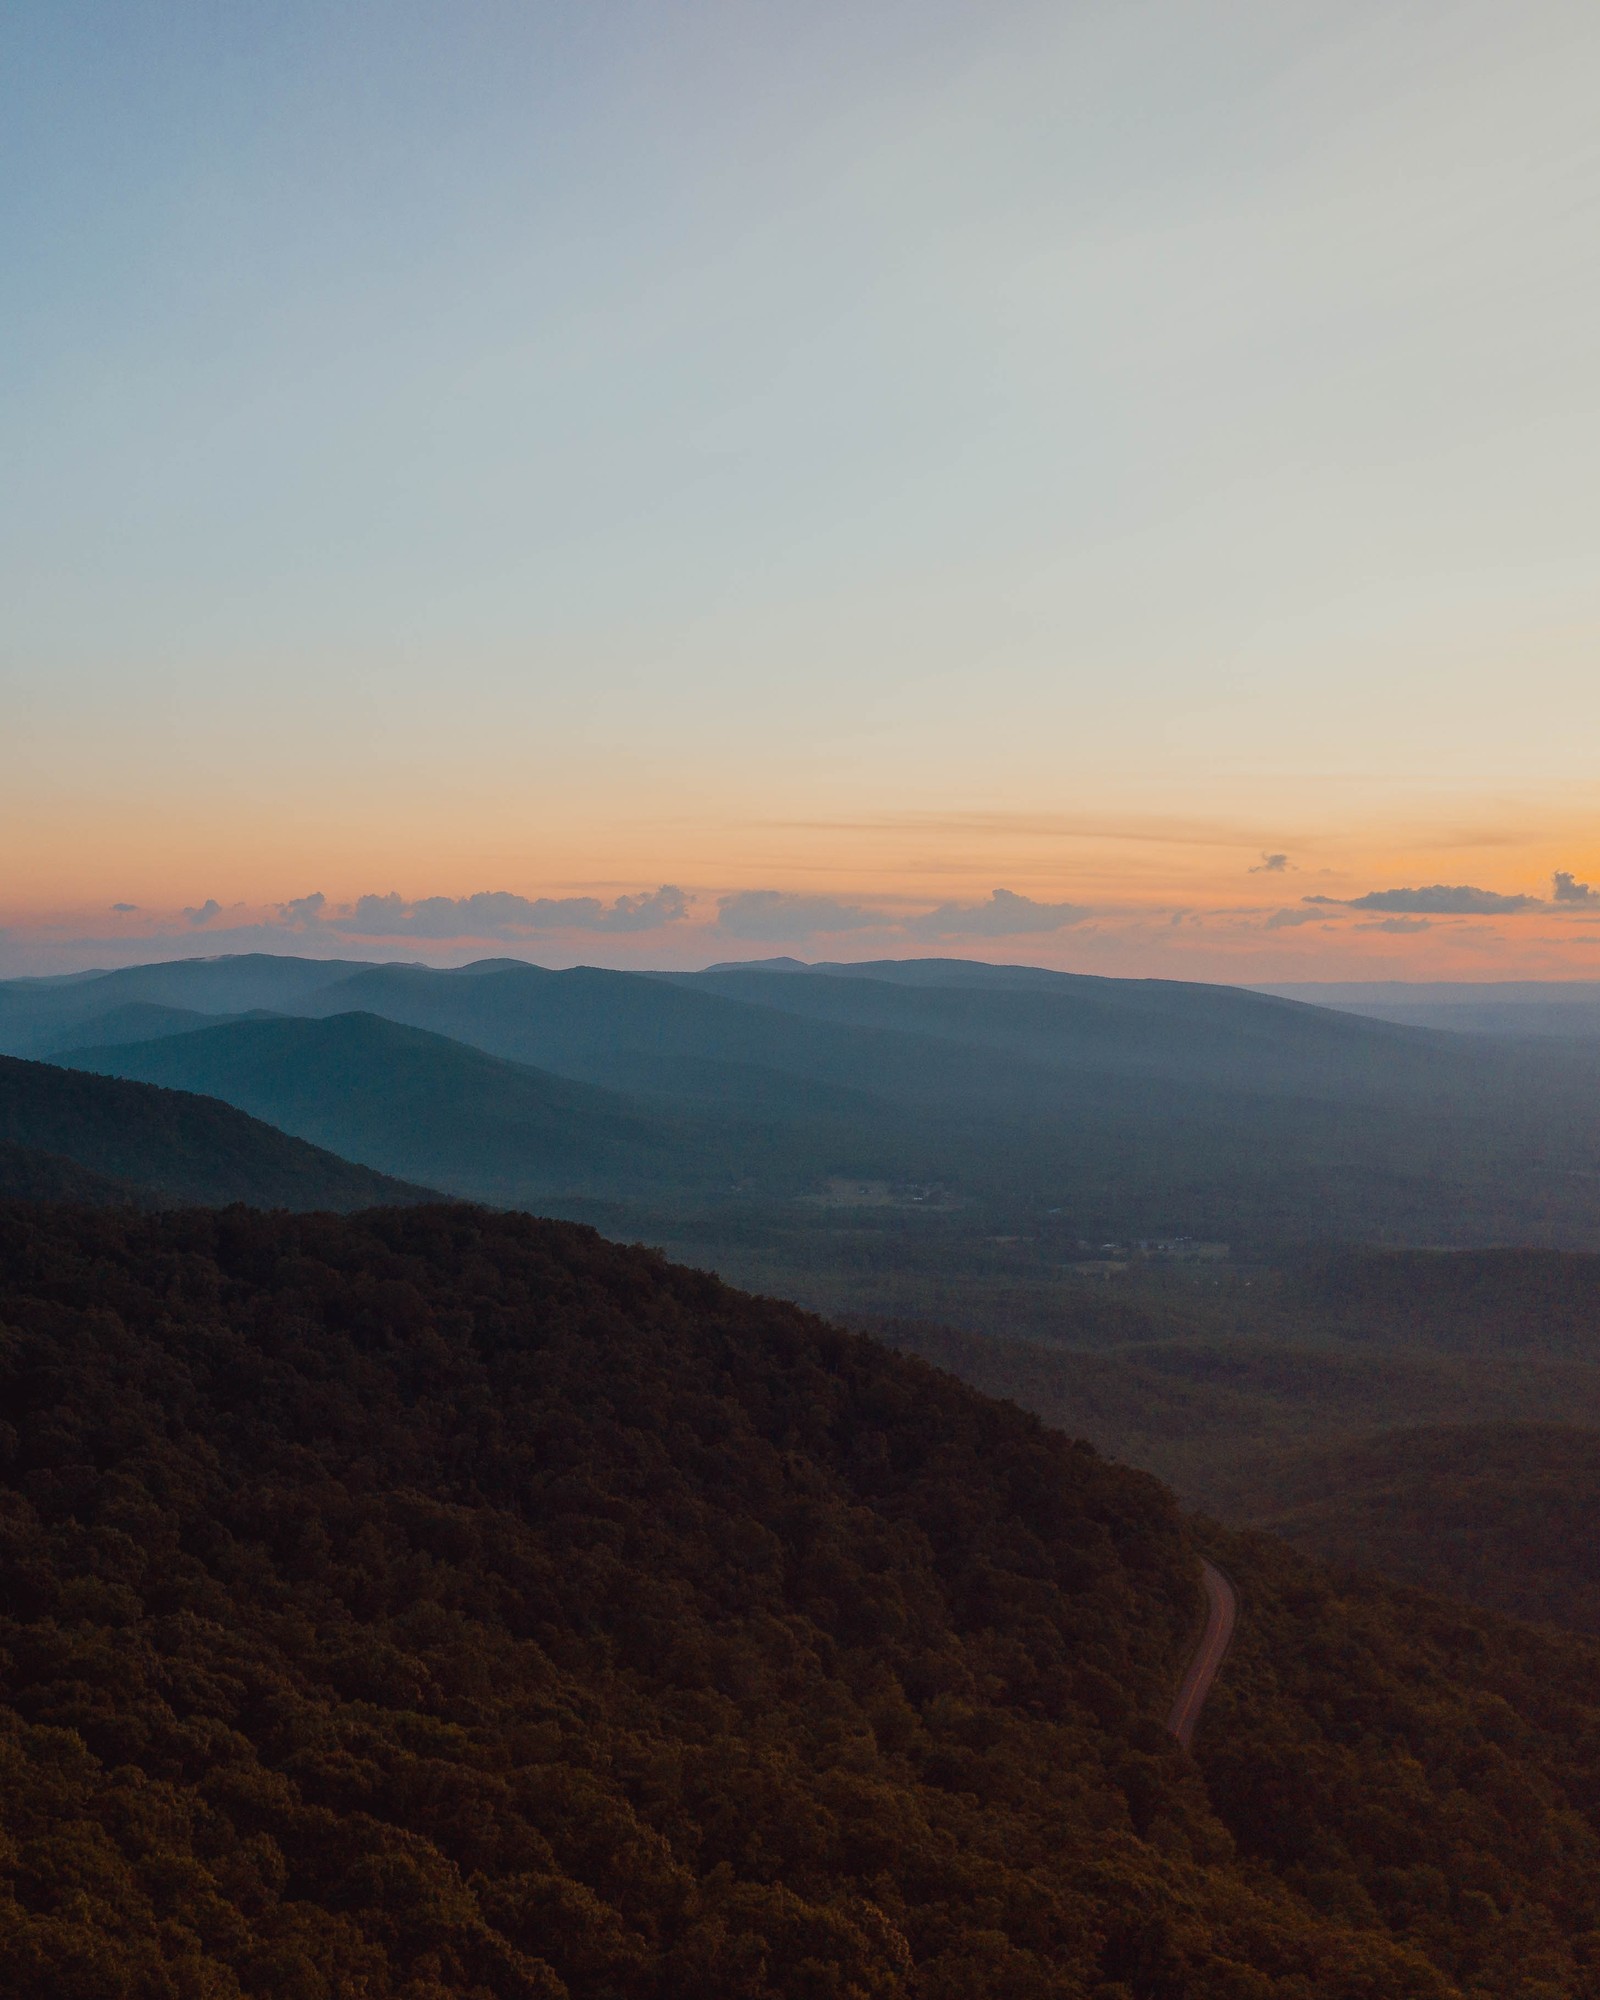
[{"x": 880, "y": 452}]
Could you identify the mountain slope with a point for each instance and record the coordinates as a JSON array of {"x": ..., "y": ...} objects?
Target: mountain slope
[
  {"x": 28, "y": 1174},
  {"x": 172, "y": 1147},
  {"x": 133, "y": 1021},
  {"x": 441, "y": 1603},
  {"x": 34, "y": 1013},
  {"x": 1078, "y": 1023},
  {"x": 415, "y": 1104}
]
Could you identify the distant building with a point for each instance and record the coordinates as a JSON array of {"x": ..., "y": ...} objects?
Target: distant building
[{"x": 1181, "y": 1249}]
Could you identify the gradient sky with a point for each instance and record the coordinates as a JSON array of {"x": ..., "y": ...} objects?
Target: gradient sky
[{"x": 834, "y": 462}]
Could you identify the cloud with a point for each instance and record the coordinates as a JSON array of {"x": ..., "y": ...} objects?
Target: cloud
[
  {"x": 208, "y": 909},
  {"x": 123, "y": 909},
  {"x": 1563, "y": 889},
  {"x": 1006, "y": 914},
  {"x": 1404, "y": 925},
  {"x": 496, "y": 913},
  {"x": 1272, "y": 864},
  {"x": 1288, "y": 920},
  {"x": 1439, "y": 900},
  {"x": 773, "y": 916},
  {"x": 304, "y": 912},
  {"x": 770, "y": 916}
]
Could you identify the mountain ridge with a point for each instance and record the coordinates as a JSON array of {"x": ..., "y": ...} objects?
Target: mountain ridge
[{"x": 175, "y": 1147}]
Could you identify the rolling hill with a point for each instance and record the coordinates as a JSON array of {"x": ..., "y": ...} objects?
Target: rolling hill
[
  {"x": 1218, "y": 1414},
  {"x": 29, "y": 1174},
  {"x": 35, "y": 1013},
  {"x": 76, "y": 1137},
  {"x": 417, "y": 1105}
]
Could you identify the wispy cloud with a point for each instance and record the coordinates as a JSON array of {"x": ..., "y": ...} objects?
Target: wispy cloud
[
  {"x": 1271, "y": 864},
  {"x": 202, "y": 915},
  {"x": 1401, "y": 926},
  {"x": 1290, "y": 920}
]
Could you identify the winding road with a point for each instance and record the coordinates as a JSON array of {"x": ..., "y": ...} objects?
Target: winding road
[{"x": 1222, "y": 1612}]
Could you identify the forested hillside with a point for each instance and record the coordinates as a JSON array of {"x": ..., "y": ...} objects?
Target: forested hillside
[
  {"x": 434, "y": 1603},
  {"x": 419, "y": 1106},
  {"x": 1507, "y": 1515},
  {"x": 68, "y": 1136},
  {"x": 28, "y": 1173}
]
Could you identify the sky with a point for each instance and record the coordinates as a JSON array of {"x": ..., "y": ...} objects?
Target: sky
[{"x": 1105, "y": 486}]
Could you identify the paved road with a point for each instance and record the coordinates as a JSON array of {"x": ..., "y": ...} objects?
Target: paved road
[{"x": 1222, "y": 1611}]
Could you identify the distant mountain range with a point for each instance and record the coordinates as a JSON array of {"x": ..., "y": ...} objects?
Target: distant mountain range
[{"x": 1129, "y": 1107}]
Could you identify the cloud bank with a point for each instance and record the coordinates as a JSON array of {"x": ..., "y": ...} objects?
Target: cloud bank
[
  {"x": 496, "y": 913},
  {"x": 773, "y": 916},
  {"x": 1438, "y": 900},
  {"x": 1004, "y": 915}
]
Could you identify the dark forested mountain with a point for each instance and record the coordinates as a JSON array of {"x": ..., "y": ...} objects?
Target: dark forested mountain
[
  {"x": 70, "y": 1136},
  {"x": 441, "y": 1603},
  {"x": 29, "y": 1174},
  {"x": 1128, "y": 1107}
]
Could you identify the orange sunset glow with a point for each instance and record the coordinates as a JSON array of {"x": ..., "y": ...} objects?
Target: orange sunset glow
[{"x": 940, "y": 487}]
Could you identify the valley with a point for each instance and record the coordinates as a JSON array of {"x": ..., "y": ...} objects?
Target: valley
[{"x": 1101, "y": 1207}]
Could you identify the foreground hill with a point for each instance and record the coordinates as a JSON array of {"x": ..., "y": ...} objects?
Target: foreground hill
[
  {"x": 70, "y": 1136},
  {"x": 433, "y": 1603}
]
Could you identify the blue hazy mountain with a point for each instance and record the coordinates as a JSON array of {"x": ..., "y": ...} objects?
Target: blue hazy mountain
[
  {"x": 418, "y": 1105},
  {"x": 72, "y": 1136},
  {"x": 35, "y": 1014},
  {"x": 1139, "y": 1106}
]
